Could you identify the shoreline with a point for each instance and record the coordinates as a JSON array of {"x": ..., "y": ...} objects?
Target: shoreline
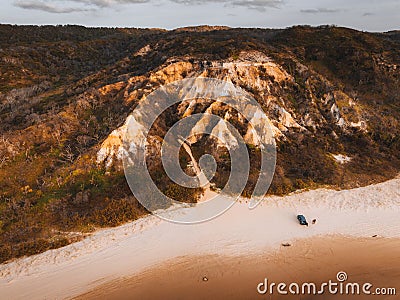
[
  {"x": 134, "y": 247},
  {"x": 313, "y": 260}
]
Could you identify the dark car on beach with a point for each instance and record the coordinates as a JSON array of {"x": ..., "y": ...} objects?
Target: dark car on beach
[{"x": 302, "y": 220}]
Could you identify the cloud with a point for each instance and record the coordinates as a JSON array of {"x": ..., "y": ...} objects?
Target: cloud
[
  {"x": 253, "y": 4},
  {"x": 66, "y": 6},
  {"x": 257, "y": 4},
  {"x": 71, "y": 6},
  {"x": 47, "y": 7},
  {"x": 107, "y": 3},
  {"x": 368, "y": 14},
  {"x": 320, "y": 10}
]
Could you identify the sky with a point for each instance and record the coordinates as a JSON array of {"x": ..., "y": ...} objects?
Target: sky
[{"x": 367, "y": 15}]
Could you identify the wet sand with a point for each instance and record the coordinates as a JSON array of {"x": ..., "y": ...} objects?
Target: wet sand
[{"x": 318, "y": 259}]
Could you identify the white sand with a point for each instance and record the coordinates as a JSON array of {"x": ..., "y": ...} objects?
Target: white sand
[
  {"x": 341, "y": 158},
  {"x": 129, "y": 249}
]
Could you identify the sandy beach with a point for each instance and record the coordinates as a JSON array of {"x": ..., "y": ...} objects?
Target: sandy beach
[
  {"x": 317, "y": 260},
  {"x": 359, "y": 227}
]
